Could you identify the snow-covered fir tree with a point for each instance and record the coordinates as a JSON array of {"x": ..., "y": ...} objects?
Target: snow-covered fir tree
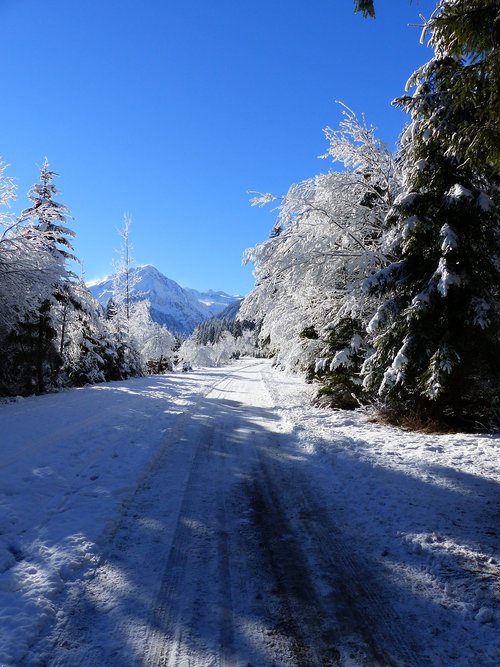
[
  {"x": 37, "y": 353},
  {"x": 154, "y": 342},
  {"x": 52, "y": 332},
  {"x": 26, "y": 268},
  {"x": 89, "y": 354},
  {"x": 436, "y": 332}
]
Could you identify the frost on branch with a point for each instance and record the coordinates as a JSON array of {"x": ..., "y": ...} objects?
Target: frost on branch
[
  {"x": 261, "y": 199},
  {"x": 449, "y": 238},
  {"x": 396, "y": 373},
  {"x": 441, "y": 364},
  {"x": 326, "y": 241},
  {"x": 446, "y": 278},
  {"x": 458, "y": 192}
]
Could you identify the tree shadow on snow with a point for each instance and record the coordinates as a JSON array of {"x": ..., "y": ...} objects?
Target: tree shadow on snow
[{"x": 244, "y": 558}]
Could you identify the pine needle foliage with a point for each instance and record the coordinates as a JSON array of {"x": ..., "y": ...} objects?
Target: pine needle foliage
[{"x": 436, "y": 331}]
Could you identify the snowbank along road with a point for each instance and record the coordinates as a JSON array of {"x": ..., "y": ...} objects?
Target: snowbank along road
[{"x": 192, "y": 521}]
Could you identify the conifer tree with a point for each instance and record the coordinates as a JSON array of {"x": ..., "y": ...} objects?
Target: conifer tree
[
  {"x": 436, "y": 332},
  {"x": 110, "y": 309},
  {"x": 47, "y": 220}
]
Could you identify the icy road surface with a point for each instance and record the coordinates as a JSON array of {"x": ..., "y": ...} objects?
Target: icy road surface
[{"x": 213, "y": 518}]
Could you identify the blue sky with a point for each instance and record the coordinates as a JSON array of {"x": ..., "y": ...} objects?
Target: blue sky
[{"x": 173, "y": 111}]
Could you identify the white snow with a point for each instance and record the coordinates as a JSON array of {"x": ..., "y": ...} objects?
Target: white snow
[
  {"x": 342, "y": 358},
  {"x": 408, "y": 226},
  {"x": 67, "y": 463},
  {"x": 449, "y": 238},
  {"x": 406, "y": 199},
  {"x": 320, "y": 365},
  {"x": 421, "y": 165},
  {"x": 458, "y": 191},
  {"x": 420, "y": 507},
  {"x": 375, "y": 321},
  {"x": 446, "y": 277}
]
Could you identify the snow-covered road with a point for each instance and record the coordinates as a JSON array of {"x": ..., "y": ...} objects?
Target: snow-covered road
[{"x": 213, "y": 518}]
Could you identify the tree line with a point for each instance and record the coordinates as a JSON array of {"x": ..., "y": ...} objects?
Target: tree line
[
  {"x": 381, "y": 279},
  {"x": 53, "y": 333}
]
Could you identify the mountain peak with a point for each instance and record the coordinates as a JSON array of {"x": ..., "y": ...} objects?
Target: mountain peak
[{"x": 179, "y": 309}]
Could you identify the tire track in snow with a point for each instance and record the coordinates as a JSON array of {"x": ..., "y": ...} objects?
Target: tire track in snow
[
  {"x": 318, "y": 605},
  {"x": 175, "y": 627},
  {"x": 98, "y": 575},
  {"x": 226, "y": 635},
  {"x": 357, "y": 610}
]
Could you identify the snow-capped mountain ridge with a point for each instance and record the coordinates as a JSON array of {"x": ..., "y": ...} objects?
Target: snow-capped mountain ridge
[
  {"x": 179, "y": 309},
  {"x": 215, "y": 301}
]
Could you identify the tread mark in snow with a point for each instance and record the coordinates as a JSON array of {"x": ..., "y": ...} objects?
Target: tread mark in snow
[
  {"x": 358, "y": 601},
  {"x": 326, "y": 609},
  {"x": 171, "y": 637}
]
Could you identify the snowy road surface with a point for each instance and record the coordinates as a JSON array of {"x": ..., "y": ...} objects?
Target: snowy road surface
[{"x": 213, "y": 518}]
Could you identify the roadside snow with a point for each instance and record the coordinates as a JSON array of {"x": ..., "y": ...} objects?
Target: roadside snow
[
  {"x": 68, "y": 462},
  {"x": 424, "y": 508},
  {"x": 427, "y": 508}
]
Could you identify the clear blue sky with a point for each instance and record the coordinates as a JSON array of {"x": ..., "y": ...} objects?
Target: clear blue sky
[{"x": 171, "y": 111}]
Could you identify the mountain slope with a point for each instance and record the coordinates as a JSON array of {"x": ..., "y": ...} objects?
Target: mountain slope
[
  {"x": 216, "y": 302},
  {"x": 230, "y": 311},
  {"x": 177, "y": 308}
]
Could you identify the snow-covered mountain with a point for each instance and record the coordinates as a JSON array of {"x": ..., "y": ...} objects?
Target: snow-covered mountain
[
  {"x": 178, "y": 308},
  {"x": 230, "y": 311},
  {"x": 216, "y": 302}
]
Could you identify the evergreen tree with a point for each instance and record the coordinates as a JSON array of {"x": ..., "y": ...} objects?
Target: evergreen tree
[
  {"x": 467, "y": 31},
  {"x": 110, "y": 310},
  {"x": 436, "y": 332},
  {"x": 47, "y": 220},
  {"x": 339, "y": 368},
  {"x": 365, "y": 7},
  {"x": 32, "y": 360},
  {"x": 93, "y": 356}
]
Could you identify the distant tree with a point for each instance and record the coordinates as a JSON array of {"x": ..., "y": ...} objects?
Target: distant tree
[
  {"x": 119, "y": 311},
  {"x": 88, "y": 366},
  {"x": 124, "y": 278},
  {"x": 110, "y": 310},
  {"x": 227, "y": 347},
  {"x": 152, "y": 340}
]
